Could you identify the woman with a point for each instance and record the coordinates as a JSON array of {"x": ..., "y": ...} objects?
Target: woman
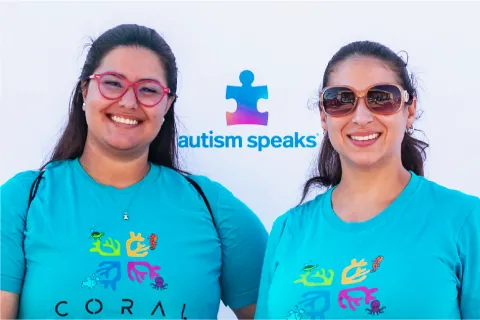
[
  {"x": 112, "y": 228},
  {"x": 382, "y": 241}
]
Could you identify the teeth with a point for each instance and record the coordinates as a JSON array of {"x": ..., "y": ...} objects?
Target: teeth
[
  {"x": 123, "y": 120},
  {"x": 365, "y": 138}
]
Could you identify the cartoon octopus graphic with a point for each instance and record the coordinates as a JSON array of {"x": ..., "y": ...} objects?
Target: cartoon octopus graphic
[
  {"x": 375, "y": 308},
  {"x": 159, "y": 284}
]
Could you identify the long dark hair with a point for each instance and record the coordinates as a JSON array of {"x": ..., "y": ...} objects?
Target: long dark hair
[
  {"x": 163, "y": 149},
  {"x": 328, "y": 171}
]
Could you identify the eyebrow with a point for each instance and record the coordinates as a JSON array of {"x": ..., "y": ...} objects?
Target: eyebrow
[{"x": 151, "y": 79}]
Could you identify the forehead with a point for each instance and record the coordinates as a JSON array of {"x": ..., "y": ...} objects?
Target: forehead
[
  {"x": 361, "y": 72},
  {"x": 134, "y": 63}
]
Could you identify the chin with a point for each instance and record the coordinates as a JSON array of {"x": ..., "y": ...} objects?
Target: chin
[
  {"x": 122, "y": 145},
  {"x": 365, "y": 161}
]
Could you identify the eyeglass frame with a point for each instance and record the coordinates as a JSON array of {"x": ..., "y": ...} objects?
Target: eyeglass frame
[
  {"x": 362, "y": 94},
  {"x": 98, "y": 76}
]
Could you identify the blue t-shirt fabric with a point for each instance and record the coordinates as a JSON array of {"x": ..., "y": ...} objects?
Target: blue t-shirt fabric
[
  {"x": 75, "y": 254},
  {"x": 417, "y": 259}
]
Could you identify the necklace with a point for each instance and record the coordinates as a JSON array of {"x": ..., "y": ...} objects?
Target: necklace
[
  {"x": 142, "y": 182},
  {"x": 125, "y": 212}
]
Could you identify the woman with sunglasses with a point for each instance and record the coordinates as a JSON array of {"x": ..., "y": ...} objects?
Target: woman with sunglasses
[
  {"x": 111, "y": 227},
  {"x": 382, "y": 241}
]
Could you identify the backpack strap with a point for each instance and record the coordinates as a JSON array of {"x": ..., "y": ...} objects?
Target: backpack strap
[
  {"x": 200, "y": 191},
  {"x": 34, "y": 188}
]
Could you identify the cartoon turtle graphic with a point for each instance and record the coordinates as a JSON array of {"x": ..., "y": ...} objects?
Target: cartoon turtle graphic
[
  {"x": 309, "y": 267},
  {"x": 96, "y": 235}
]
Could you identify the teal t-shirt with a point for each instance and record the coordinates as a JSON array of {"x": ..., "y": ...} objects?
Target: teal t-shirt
[
  {"x": 418, "y": 259},
  {"x": 76, "y": 255}
]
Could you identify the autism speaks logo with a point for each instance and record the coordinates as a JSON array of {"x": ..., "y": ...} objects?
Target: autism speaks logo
[{"x": 246, "y": 95}]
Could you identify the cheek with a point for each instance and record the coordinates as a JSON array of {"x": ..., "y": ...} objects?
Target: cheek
[
  {"x": 94, "y": 110},
  {"x": 395, "y": 127},
  {"x": 155, "y": 115},
  {"x": 336, "y": 125},
  {"x": 96, "y": 103},
  {"x": 335, "y": 130}
]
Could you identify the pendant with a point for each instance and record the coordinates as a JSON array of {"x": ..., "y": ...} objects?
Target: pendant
[{"x": 125, "y": 216}]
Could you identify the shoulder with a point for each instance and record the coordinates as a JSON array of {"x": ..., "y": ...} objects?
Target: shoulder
[
  {"x": 218, "y": 195},
  {"x": 15, "y": 193},
  {"x": 451, "y": 202},
  {"x": 215, "y": 191},
  {"x": 18, "y": 184},
  {"x": 179, "y": 181},
  {"x": 299, "y": 218},
  {"x": 230, "y": 211},
  {"x": 455, "y": 212},
  {"x": 209, "y": 185}
]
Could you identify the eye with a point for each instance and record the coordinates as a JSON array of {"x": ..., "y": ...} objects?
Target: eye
[
  {"x": 347, "y": 97},
  {"x": 113, "y": 83},
  {"x": 148, "y": 90}
]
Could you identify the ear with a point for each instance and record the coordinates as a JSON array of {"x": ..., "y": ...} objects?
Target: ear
[
  {"x": 84, "y": 89},
  {"x": 169, "y": 103},
  {"x": 411, "y": 112},
  {"x": 323, "y": 119}
]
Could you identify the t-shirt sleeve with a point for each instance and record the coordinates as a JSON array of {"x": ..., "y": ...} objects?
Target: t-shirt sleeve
[
  {"x": 469, "y": 251},
  {"x": 243, "y": 239},
  {"x": 14, "y": 195},
  {"x": 269, "y": 266}
]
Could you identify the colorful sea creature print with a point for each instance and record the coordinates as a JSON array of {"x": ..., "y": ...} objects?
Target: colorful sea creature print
[{"x": 375, "y": 308}]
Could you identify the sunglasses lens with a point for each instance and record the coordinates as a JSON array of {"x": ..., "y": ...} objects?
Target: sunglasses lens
[
  {"x": 384, "y": 99},
  {"x": 338, "y": 101}
]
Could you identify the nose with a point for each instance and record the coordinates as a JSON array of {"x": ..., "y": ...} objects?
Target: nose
[
  {"x": 362, "y": 115},
  {"x": 129, "y": 100}
]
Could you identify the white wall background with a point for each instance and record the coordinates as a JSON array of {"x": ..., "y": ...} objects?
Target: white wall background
[{"x": 287, "y": 45}]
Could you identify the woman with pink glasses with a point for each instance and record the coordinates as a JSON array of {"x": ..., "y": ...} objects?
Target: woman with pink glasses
[
  {"x": 382, "y": 241},
  {"x": 111, "y": 227}
]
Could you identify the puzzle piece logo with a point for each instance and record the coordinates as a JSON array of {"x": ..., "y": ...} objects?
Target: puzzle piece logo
[{"x": 247, "y": 97}]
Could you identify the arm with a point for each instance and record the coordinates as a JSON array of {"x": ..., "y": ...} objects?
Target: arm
[
  {"x": 9, "y": 303},
  {"x": 246, "y": 312},
  {"x": 14, "y": 200},
  {"x": 244, "y": 239},
  {"x": 469, "y": 251},
  {"x": 269, "y": 266}
]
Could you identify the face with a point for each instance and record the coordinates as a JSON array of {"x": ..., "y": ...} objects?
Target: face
[
  {"x": 362, "y": 137},
  {"x": 124, "y": 123}
]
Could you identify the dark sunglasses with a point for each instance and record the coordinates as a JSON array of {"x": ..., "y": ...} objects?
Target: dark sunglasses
[{"x": 383, "y": 99}]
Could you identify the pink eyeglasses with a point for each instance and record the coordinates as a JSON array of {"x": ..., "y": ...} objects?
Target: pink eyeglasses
[{"x": 113, "y": 86}]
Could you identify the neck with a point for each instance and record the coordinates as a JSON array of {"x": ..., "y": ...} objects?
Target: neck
[
  {"x": 364, "y": 192},
  {"x": 111, "y": 170}
]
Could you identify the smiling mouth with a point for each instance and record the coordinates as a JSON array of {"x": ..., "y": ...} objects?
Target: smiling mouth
[
  {"x": 365, "y": 138},
  {"x": 125, "y": 121}
]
